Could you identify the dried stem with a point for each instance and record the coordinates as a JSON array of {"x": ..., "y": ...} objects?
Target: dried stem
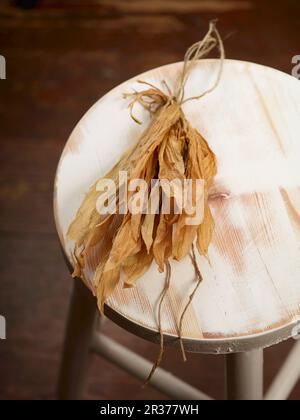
[
  {"x": 161, "y": 351},
  {"x": 199, "y": 280}
]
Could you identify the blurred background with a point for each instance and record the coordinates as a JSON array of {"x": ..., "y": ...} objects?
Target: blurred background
[{"x": 61, "y": 57}]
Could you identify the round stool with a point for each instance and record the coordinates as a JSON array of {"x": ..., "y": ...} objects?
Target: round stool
[{"x": 250, "y": 295}]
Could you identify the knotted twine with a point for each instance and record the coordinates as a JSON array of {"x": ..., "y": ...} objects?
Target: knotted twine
[{"x": 169, "y": 149}]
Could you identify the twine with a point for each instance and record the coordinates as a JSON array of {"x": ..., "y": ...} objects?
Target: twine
[
  {"x": 162, "y": 298},
  {"x": 196, "y": 52},
  {"x": 191, "y": 297}
]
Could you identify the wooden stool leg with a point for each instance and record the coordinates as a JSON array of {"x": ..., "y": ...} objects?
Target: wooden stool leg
[
  {"x": 79, "y": 331},
  {"x": 244, "y": 376}
]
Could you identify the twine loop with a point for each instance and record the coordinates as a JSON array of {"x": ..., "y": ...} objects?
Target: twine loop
[
  {"x": 154, "y": 98},
  {"x": 197, "y": 52}
]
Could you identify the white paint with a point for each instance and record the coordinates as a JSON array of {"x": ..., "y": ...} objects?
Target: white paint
[{"x": 296, "y": 68}]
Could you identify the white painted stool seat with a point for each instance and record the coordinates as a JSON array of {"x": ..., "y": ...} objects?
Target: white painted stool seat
[{"x": 250, "y": 296}]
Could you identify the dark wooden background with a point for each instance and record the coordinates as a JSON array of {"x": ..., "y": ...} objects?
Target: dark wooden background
[{"x": 61, "y": 57}]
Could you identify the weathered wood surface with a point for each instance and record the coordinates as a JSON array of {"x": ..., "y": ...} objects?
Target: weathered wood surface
[{"x": 252, "y": 123}]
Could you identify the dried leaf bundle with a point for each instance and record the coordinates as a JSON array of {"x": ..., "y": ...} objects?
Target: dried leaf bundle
[{"x": 169, "y": 149}]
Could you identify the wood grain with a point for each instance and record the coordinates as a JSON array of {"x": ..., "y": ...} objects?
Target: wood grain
[
  {"x": 176, "y": 6},
  {"x": 251, "y": 121}
]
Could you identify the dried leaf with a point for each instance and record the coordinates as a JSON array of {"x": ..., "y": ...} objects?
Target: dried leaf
[
  {"x": 86, "y": 218},
  {"x": 201, "y": 165},
  {"x": 106, "y": 284},
  {"x": 171, "y": 162},
  {"x": 162, "y": 246},
  {"x": 124, "y": 246},
  {"x": 205, "y": 232},
  {"x": 135, "y": 266},
  {"x": 147, "y": 230}
]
